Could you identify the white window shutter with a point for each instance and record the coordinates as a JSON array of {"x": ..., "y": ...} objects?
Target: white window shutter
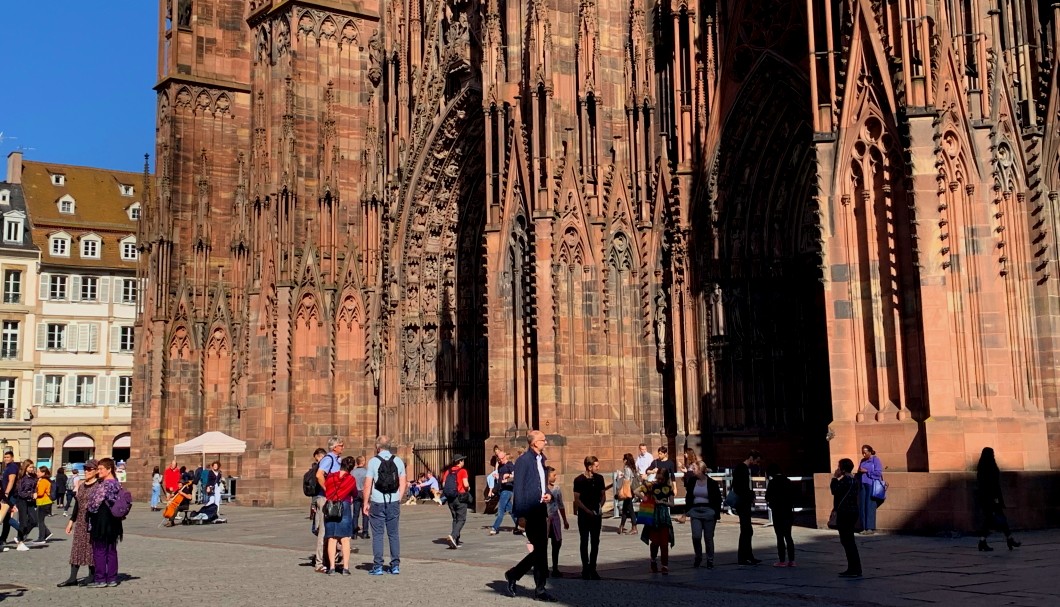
[
  {"x": 42, "y": 336},
  {"x": 71, "y": 389},
  {"x": 113, "y": 396},
  {"x": 90, "y": 391},
  {"x": 45, "y": 284},
  {"x": 103, "y": 290},
  {"x": 93, "y": 337},
  {"x": 115, "y": 338},
  {"x": 75, "y": 288},
  {"x": 117, "y": 290},
  {"x": 38, "y": 389}
]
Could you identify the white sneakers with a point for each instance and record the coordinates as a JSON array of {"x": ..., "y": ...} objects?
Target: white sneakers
[{"x": 22, "y": 547}]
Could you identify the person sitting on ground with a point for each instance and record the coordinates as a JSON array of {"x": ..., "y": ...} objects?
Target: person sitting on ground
[
  {"x": 206, "y": 514},
  {"x": 426, "y": 488}
]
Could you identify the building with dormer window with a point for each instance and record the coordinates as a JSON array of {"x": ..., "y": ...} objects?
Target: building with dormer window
[
  {"x": 18, "y": 299},
  {"x": 81, "y": 344}
]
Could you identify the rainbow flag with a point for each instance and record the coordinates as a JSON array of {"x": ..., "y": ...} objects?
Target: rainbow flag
[{"x": 646, "y": 513}]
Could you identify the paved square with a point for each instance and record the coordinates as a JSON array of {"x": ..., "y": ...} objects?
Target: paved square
[{"x": 261, "y": 558}]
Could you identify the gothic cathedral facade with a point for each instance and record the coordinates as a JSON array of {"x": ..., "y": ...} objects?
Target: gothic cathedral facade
[{"x": 792, "y": 225}]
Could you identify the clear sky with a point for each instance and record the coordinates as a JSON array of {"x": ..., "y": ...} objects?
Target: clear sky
[{"x": 75, "y": 81}]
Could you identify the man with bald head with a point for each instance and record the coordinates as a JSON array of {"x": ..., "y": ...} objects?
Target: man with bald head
[{"x": 530, "y": 498}]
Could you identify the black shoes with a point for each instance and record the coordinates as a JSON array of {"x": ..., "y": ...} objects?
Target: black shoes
[
  {"x": 510, "y": 587},
  {"x": 544, "y": 597},
  {"x": 1012, "y": 542},
  {"x": 67, "y": 583},
  {"x": 750, "y": 562},
  {"x": 850, "y": 574},
  {"x": 984, "y": 547}
]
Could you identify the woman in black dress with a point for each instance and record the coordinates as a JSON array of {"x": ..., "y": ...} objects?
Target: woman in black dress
[
  {"x": 991, "y": 502},
  {"x": 845, "y": 502}
]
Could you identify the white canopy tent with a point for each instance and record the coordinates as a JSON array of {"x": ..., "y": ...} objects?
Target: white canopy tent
[{"x": 211, "y": 442}]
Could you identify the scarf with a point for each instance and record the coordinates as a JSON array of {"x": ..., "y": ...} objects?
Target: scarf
[{"x": 107, "y": 491}]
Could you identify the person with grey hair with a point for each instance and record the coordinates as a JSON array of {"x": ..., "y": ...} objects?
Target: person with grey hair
[
  {"x": 328, "y": 464},
  {"x": 384, "y": 483}
]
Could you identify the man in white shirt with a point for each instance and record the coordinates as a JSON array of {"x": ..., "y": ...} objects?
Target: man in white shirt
[{"x": 644, "y": 460}]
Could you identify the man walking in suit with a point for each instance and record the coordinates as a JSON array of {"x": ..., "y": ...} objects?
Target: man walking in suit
[{"x": 530, "y": 498}]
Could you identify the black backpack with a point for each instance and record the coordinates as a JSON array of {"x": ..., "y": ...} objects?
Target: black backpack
[
  {"x": 450, "y": 489},
  {"x": 309, "y": 481},
  {"x": 387, "y": 477}
]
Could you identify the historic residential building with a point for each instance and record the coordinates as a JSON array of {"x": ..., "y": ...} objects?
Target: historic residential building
[
  {"x": 800, "y": 226},
  {"x": 84, "y": 222},
  {"x": 18, "y": 270}
]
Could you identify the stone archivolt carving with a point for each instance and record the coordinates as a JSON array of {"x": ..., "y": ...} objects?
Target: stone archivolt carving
[
  {"x": 201, "y": 101},
  {"x": 323, "y": 25}
]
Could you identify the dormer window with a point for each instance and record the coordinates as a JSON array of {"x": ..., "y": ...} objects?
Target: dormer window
[
  {"x": 128, "y": 249},
  {"x": 90, "y": 246},
  {"x": 13, "y": 226},
  {"x": 126, "y": 190},
  {"x": 58, "y": 179},
  {"x": 5, "y": 196},
  {"x": 66, "y": 205},
  {"x": 59, "y": 244},
  {"x": 134, "y": 211}
]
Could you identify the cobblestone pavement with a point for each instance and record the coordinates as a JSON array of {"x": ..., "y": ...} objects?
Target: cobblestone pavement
[{"x": 261, "y": 557}]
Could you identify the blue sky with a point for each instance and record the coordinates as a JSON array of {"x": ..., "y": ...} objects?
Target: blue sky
[{"x": 75, "y": 81}]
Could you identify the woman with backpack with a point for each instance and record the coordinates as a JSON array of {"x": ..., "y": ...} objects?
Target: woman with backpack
[
  {"x": 105, "y": 529},
  {"x": 26, "y": 501}
]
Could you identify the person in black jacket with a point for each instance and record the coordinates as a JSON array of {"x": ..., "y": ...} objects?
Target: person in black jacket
[
  {"x": 741, "y": 485},
  {"x": 781, "y": 499},
  {"x": 845, "y": 502},
  {"x": 991, "y": 502},
  {"x": 704, "y": 501},
  {"x": 530, "y": 498}
]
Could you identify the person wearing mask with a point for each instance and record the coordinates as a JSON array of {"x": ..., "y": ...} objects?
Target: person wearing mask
[
  {"x": 530, "y": 499},
  {"x": 456, "y": 486},
  {"x": 845, "y": 503},
  {"x": 741, "y": 485},
  {"x": 104, "y": 528},
  {"x": 589, "y": 496},
  {"x": 81, "y": 543},
  {"x": 505, "y": 479},
  {"x": 990, "y": 500},
  {"x": 704, "y": 500},
  {"x": 870, "y": 470},
  {"x": 780, "y": 496}
]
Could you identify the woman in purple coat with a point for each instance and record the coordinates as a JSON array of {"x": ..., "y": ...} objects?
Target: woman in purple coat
[{"x": 870, "y": 470}]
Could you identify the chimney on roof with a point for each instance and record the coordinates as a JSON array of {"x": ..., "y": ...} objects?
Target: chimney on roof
[{"x": 14, "y": 167}]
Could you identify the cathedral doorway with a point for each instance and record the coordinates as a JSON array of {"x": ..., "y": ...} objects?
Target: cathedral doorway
[
  {"x": 759, "y": 278},
  {"x": 440, "y": 277}
]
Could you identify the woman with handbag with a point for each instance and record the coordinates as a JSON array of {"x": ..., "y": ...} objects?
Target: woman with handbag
[
  {"x": 624, "y": 493},
  {"x": 844, "y": 515},
  {"x": 870, "y": 472},
  {"x": 340, "y": 490},
  {"x": 704, "y": 499}
]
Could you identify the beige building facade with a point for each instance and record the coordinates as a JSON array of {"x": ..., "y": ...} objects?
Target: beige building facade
[{"x": 83, "y": 222}]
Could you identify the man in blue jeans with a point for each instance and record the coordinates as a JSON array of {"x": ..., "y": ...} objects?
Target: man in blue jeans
[
  {"x": 383, "y": 487},
  {"x": 505, "y": 476}
]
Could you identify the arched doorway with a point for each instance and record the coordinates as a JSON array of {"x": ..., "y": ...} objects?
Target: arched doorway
[
  {"x": 122, "y": 447},
  {"x": 78, "y": 448},
  {"x": 757, "y": 273}
]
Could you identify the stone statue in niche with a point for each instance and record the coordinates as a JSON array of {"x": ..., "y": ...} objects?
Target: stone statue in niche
[
  {"x": 375, "y": 59},
  {"x": 430, "y": 352},
  {"x": 184, "y": 14},
  {"x": 717, "y": 311},
  {"x": 411, "y": 365},
  {"x": 660, "y": 325}
]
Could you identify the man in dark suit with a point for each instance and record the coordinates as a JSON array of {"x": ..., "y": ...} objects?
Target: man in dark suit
[
  {"x": 741, "y": 484},
  {"x": 530, "y": 498}
]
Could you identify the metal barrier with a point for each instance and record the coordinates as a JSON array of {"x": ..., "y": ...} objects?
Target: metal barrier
[
  {"x": 437, "y": 457},
  {"x": 804, "y": 497}
]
